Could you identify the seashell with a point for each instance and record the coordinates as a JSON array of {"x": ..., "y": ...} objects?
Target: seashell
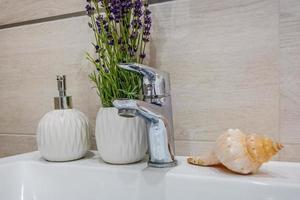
[{"x": 239, "y": 152}]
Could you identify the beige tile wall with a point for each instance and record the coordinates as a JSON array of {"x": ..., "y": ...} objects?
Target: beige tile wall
[
  {"x": 232, "y": 64},
  {"x": 290, "y": 78},
  {"x": 13, "y": 11}
]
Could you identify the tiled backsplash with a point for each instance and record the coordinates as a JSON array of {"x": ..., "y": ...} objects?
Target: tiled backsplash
[{"x": 232, "y": 64}]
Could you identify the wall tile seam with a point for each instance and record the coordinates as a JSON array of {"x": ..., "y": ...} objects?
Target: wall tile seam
[{"x": 59, "y": 17}]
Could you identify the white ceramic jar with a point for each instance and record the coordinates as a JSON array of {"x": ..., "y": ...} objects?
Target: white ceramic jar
[
  {"x": 120, "y": 140},
  {"x": 63, "y": 135}
]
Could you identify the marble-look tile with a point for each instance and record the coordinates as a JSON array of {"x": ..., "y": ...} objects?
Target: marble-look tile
[
  {"x": 223, "y": 60},
  {"x": 13, "y": 11},
  {"x": 184, "y": 148},
  {"x": 11, "y": 144},
  {"x": 29, "y": 70},
  {"x": 290, "y": 71}
]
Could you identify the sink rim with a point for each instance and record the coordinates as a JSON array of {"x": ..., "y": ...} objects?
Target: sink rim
[{"x": 271, "y": 173}]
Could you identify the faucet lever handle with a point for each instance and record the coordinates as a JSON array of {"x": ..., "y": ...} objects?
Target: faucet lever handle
[
  {"x": 155, "y": 82},
  {"x": 141, "y": 69}
]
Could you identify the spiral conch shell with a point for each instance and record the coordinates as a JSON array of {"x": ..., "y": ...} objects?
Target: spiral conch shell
[{"x": 239, "y": 152}]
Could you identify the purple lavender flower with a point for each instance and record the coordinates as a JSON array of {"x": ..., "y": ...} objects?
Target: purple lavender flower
[
  {"x": 100, "y": 18},
  {"x": 89, "y": 10},
  {"x": 131, "y": 51},
  {"x": 137, "y": 11},
  {"x": 97, "y": 48},
  {"x": 106, "y": 27},
  {"x": 126, "y": 6},
  {"x": 105, "y": 69},
  {"x": 115, "y": 10},
  {"x": 136, "y": 23},
  {"x": 119, "y": 9},
  {"x": 134, "y": 35},
  {"x": 122, "y": 44},
  {"x": 111, "y": 17},
  {"x": 111, "y": 42},
  {"x": 147, "y": 12},
  {"x": 122, "y": 18},
  {"x": 99, "y": 22},
  {"x": 147, "y": 25}
]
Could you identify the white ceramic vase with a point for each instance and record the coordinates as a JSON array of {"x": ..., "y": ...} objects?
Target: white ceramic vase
[
  {"x": 120, "y": 140},
  {"x": 63, "y": 135}
]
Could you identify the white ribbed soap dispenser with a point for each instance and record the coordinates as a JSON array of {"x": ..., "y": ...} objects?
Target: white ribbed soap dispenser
[{"x": 63, "y": 134}]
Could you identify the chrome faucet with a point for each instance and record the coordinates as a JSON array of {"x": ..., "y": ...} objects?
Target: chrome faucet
[{"x": 156, "y": 109}]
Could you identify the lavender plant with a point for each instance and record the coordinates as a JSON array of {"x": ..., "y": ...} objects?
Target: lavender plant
[{"x": 121, "y": 29}]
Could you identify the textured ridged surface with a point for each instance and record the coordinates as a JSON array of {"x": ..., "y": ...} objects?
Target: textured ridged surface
[
  {"x": 63, "y": 135},
  {"x": 120, "y": 140}
]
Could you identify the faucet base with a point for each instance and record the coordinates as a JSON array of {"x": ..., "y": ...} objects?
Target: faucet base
[{"x": 162, "y": 165}]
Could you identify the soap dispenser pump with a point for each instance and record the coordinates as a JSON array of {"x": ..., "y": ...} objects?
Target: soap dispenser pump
[{"x": 63, "y": 134}]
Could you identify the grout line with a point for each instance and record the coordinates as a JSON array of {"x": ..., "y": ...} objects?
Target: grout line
[
  {"x": 17, "y": 134},
  {"x": 41, "y": 20},
  {"x": 59, "y": 17},
  {"x": 26, "y": 134}
]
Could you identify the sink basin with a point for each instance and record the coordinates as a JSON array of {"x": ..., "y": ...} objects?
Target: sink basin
[{"x": 29, "y": 177}]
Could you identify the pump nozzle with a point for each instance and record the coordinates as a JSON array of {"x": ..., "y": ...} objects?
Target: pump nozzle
[{"x": 62, "y": 101}]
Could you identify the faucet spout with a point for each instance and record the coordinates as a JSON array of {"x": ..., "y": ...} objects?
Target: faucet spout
[{"x": 161, "y": 149}]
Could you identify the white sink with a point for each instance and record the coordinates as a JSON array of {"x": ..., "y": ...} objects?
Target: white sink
[{"x": 29, "y": 177}]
